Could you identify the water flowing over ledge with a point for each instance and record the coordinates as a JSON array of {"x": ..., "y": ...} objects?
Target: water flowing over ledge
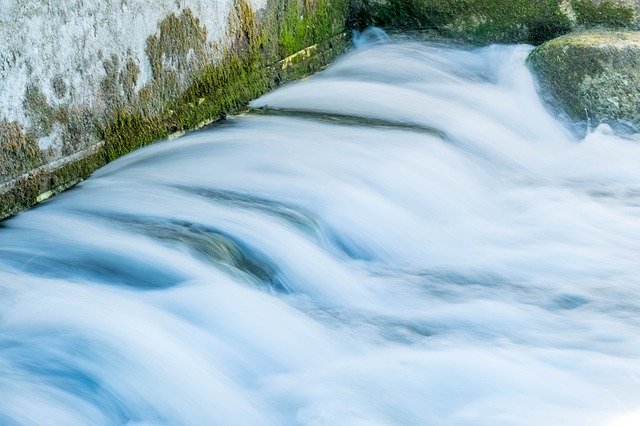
[
  {"x": 82, "y": 84},
  {"x": 406, "y": 238}
]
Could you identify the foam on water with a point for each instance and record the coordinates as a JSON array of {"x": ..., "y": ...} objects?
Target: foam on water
[{"x": 406, "y": 238}]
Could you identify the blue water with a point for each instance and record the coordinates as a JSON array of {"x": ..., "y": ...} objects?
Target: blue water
[{"x": 408, "y": 237}]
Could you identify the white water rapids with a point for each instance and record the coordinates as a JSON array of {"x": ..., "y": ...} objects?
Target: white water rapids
[{"x": 408, "y": 237}]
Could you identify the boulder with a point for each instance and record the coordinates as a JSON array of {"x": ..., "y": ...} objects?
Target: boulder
[{"x": 591, "y": 76}]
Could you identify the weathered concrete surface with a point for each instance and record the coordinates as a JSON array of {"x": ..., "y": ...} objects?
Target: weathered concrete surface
[
  {"x": 82, "y": 84},
  {"x": 509, "y": 21},
  {"x": 592, "y": 75}
]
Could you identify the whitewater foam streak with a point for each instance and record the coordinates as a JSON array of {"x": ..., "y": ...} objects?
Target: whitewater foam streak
[{"x": 406, "y": 238}]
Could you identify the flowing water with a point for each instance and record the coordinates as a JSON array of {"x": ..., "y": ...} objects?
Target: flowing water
[{"x": 406, "y": 238}]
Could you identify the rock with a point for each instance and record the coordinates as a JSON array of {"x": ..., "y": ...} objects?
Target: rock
[
  {"x": 508, "y": 21},
  {"x": 591, "y": 76}
]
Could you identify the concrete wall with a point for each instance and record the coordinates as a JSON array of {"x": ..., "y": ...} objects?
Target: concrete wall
[{"x": 82, "y": 83}]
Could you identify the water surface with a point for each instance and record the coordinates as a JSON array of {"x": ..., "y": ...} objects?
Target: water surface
[{"x": 406, "y": 238}]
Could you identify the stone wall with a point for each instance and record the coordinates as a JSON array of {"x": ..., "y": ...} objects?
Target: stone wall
[{"x": 83, "y": 83}]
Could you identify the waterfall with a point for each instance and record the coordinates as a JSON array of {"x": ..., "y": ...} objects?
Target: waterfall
[{"x": 408, "y": 237}]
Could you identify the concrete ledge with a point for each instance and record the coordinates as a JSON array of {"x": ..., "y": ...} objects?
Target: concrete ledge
[{"x": 44, "y": 182}]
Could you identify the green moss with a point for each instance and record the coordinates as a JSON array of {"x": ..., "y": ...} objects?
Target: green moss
[
  {"x": 243, "y": 27},
  {"x": 126, "y": 131},
  {"x": 606, "y": 13},
  {"x": 310, "y": 23},
  {"x": 80, "y": 130},
  {"x": 40, "y": 113},
  {"x": 70, "y": 173},
  {"x": 475, "y": 20},
  {"x": 117, "y": 88},
  {"x": 180, "y": 44},
  {"x": 19, "y": 151},
  {"x": 42, "y": 183},
  {"x": 409, "y": 14},
  {"x": 484, "y": 21},
  {"x": 129, "y": 78},
  {"x": 23, "y": 194},
  {"x": 109, "y": 86}
]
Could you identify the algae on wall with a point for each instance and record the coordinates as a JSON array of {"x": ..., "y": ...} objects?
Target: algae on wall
[{"x": 19, "y": 151}]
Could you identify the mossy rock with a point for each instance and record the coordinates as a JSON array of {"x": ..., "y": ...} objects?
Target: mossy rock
[
  {"x": 605, "y": 13},
  {"x": 505, "y": 21},
  {"x": 591, "y": 76}
]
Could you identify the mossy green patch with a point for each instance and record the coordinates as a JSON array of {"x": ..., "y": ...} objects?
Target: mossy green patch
[
  {"x": 40, "y": 113},
  {"x": 488, "y": 21},
  {"x": 475, "y": 20},
  {"x": 213, "y": 90},
  {"x": 77, "y": 126},
  {"x": 309, "y": 22},
  {"x": 80, "y": 130},
  {"x": 19, "y": 151},
  {"x": 118, "y": 87},
  {"x": 606, "y": 13},
  {"x": 42, "y": 183},
  {"x": 181, "y": 44}
]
